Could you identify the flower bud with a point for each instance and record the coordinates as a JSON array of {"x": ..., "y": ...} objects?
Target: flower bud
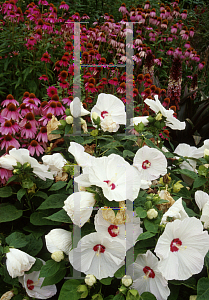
[
  {"x": 67, "y": 112},
  {"x": 158, "y": 117},
  {"x": 90, "y": 279},
  {"x": 206, "y": 155},
  {"x": 94, "y": 115},
  {"x": 148, "y": 205},
  {"x": 133, "y": 295},
  {"x": 152, "y": 214},
  {"x": 69, "y": 119},
  {"x": 58, "y": 256},
  {"x": 127, "y": 280},
  {"x": 83, "y": 290}
]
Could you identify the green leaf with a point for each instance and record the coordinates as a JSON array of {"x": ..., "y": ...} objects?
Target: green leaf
[
  {"x": 43, "y": 184},
  {"x": 57, "y": 277},
  {"x": 141, "y": 212},
  {"x": 206, "y": 263},
  {"x": 57, "y": 186},
  {"x": 106, "y": 281},
  {"x": 147, "y": 296},
  {"x": 151, "y": 226},
  {"x": 145, "y": 235},
  {"x": 150, "y": 144},
  {"x": 128, "y": 153},
  {"x": 174, "y": 292},
  {"x": 40, "y": 194},
  {"x": 69, "y": 290},
  {"x": 120, "y": 272},
  {"x": 119, "y": 296},
  {"x": 60, "y": 216},
  {"x": 21, "y": 193},
  {"x": 6, "y": 192},
  {"x": 188, "y": 173},
  {"x": 9, "y": 213},
  {"x": 190, "y": 283},
  {"x": 39, "y": 219},
  {"x": 17, "y": 240},
  {"x": 203, "y": 289},
  {"x": 113, "y": 144},
  {"x": 13, "y": 178},
  {"x": 199, "y": 181},
  {"x": 50, "y": 268},
  {"x": 36, "y": 267},
  {"x": 37, "y": 231},
  {"x": 34, "y": 246},
  {"x": 53, "y": 201}
]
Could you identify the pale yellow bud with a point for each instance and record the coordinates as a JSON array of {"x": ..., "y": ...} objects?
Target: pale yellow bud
[
  {"x": 69, "y": 119},
  {"x": 127, "y": 280},
  {"x": 152, "y": 213},
  {"x": 90, "y": 279},
  {"x": 58, "y": 256},
  {"x": 158, "y": 117}
]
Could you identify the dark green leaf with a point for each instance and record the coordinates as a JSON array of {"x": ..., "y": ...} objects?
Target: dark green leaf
[
  {"x": 50, "y": 268},
  {"x": 151, "y": 226},
  {"x": 119, "y": 296},
  {"x": 128, "y": 153},
  {"x": 199, "y": 181},
  {"x": 141, "y": 212},
  {"x": 60, "y": 216},
  {"x": 69, "y": 290},
  {"x": 41, "y": 194},
  {"x": 36, "y": 267},
  {"x": 147, "y": 296},
  {"x": 203, "y": 289},
  {"x": 120, "y": 272},
  {"x": 39, "y": 218},
  {"x": 6, "y": 192},
  {"x": 43, "y": 184},
  {"x": 188, "y": 173},
  {"x": 34, "y": 246},
  {"x": 9, "y": 213},
  {"x": 190, "y": 283},
  {"x": 106, "y": 281},
  {"x": 145, "y": 235},
  {"x": 57, "y": 186},
  {"x": 53, "y": 201},
  {"x": 17, "y": 240},
  {"x": 59, "y": 275},
  {"x": 21, "y": 193}
]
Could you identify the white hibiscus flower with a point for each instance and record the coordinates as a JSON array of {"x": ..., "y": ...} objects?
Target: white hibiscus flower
[{"x": 202, "y": 200}]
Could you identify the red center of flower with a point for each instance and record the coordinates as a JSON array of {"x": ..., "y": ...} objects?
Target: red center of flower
[
  {"x": 11, "y": 107},
  {"x": 99, "y": 248},
  {"x": 104, "y": 113},
  {"x": 30, "y": 284},
  {"x": 146, "y": 164},
  {"x": 34, "y": 143},
  {"x": 28, "y": 126},
  {"x": 110, "y": 184},
  {"x": 149, "y": 272},
  {"x": 113, "y": 230},
  {"x": 53, "y": 104},
  {"x": 174, "y": 245},
  {"x": 8, "y": 137}
]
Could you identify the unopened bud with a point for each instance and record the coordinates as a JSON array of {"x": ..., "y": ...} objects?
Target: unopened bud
[
  {"x": 206, "y": 155},
  {"x": 152, "y": 214},
  {"x": 158, "y": 117},
  {"x": 90, "y": 279},
  {"x": 69, "y": 119},
  {"x": 127, "y": 280},
  {"x": 57, "y": 256},
  {"x": 7, "y": 296}
]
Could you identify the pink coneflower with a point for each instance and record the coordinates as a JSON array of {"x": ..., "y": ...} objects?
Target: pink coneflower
[
  {"x": 63, "y": 75},
  {"x": 42, "y": 135},
  {"x": 85, "y": 17},
  {"x": 32, "y": 101},
  {"x": 64, "y": 84},
  {"x": 67, "y": 100},
  {"x": 170, "y": 51},
  {"x": 23, "y": 109},
  {"x": 8, "y": 140},
  {"x": 201, "y": 65},
  {"x": 57, "y": 66},
  {"x": 34, "y": 147},
  {"x": 10, "y": 112},
  {"x": 43, "y": 2},
  {"x": 5, "y": 175},
  {"x": 64, "y": 61},
  {"x": 123, "y": 9},
  {"x": 122, "y": 88},
  {"x": 64, "y": 6},
  {"x": 45, "y": 119},
  {"x": 9, "y": 127},
  {"x": 44, "y": 77},
  {"x": 184, "y": 14},
  {"x": 8, "y": 100},
  {"x": 191, "y": 31},
  {"x": 28, "y": 131},
  {"x": 174, "y": 29},
  {"x": 29, "y": 117},
  {"x": 68, "y": 46},
  {"x": 51, "y": 91},
  {"x": 113, "y": 81},
  {"x": 46, "y": 57}
]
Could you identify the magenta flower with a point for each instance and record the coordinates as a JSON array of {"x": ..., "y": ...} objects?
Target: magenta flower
[
  {"x": 42, "y": 135},
  {"x": 51, "y": 91},
  {"x": 44, "y": 77},
  {"x": 8, "y": 100},
  {"x": 29, "y": 117},
  {"x": 10, "y": 112},
  {"x": 34, "y": 147},
  {"x": 9, "y": 127},
  {"x": 8, "y": 141},
  {"x": 46, "y": 57},
  {"x": 5, "y": 175},
  {"x": 64, "y": 6},
  {"x": 28, "y": 131}
]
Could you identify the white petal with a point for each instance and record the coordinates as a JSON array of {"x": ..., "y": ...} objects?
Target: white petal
[{"x": 58, "y": 239}]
